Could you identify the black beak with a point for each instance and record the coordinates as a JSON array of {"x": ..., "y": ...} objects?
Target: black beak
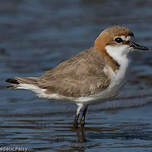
[{"x": 137, "y": 46}]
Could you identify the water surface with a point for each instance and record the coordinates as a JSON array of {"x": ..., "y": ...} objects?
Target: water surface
[{"x": 38, "y": 35}]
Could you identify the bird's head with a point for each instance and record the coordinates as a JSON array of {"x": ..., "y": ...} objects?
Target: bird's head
[{"x": 117, "y": 40}]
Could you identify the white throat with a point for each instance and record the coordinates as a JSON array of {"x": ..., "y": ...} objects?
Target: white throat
[{"x": 119, "y": 53}]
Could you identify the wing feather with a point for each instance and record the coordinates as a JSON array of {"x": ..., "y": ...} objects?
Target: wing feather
[{"x": 81, "y": 75}]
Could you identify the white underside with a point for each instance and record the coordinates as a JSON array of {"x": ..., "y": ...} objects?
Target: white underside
[
  {"x": 110, "y": 92},
  {"x": 106, "y": 94},
  {"x": 117, "y": 81}
]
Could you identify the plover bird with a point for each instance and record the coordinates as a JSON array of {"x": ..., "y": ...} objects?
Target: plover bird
[{"x": 92, "y": 76}]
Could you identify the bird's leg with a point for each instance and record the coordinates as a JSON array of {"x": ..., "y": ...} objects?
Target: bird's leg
[
  {"x": 75, "y": 123},
  {"x": 82, "y": 121},
  {"x": 81, "y": 134}
]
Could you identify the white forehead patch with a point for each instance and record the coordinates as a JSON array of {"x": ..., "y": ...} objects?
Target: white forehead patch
[{"x": 125, "y": 38}]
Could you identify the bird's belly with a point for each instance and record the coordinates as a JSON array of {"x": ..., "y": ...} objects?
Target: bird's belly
[
  {"x": 108, "y": 93},
  {"x": 117, "y": 82}
]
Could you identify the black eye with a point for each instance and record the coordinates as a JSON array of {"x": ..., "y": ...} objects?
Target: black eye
[{"x": 118, "y": 40}]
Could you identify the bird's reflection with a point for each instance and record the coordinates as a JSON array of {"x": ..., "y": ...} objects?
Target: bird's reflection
[{"x": 81, "y": 131}]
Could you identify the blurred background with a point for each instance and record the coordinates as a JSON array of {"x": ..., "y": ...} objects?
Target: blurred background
[{"x": 36, "y": 35}]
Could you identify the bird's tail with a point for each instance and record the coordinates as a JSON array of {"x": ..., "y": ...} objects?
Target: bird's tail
[{"x": 16, "y": 82}]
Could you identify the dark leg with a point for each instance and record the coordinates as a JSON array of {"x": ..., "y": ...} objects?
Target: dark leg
[
  {"x": 82, "y": 121},
  {"x": 81, "y": 134},
  {"x": 75, "y": 123}
]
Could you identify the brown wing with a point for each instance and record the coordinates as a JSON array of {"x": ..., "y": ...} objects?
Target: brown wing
[{"x": 81, "y": 75}]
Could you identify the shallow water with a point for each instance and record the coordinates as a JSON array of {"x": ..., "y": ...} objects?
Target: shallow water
[{"x": 37, "y": 35}]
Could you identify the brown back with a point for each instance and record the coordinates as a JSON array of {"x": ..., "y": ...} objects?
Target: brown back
[{"x": 81, "y": 75}]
